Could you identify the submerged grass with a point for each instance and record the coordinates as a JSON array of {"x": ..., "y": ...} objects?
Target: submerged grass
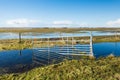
[{"x": 83, "y": 69}]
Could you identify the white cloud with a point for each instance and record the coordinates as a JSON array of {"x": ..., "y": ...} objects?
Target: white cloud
[
  {"x": 84, "y": 25},
  {"x": 115, "y": 23},
  {"x": 69, "y": 24},
  {"x": 21, "y": 22},
  {"x": 62, "y": 22}
]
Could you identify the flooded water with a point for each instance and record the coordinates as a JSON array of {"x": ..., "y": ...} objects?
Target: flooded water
[
  {"x": 15, "y": 57},
  {"x": 53, "y": 35},
  {"x": 106, "y": 48},
  {"x": 12, "y": 58}
]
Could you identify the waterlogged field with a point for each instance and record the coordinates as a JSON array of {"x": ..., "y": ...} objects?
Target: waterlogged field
[
  {"x": 15, "y": 44},
  {"x": 100, "y": 34},
  {"x": 17, "y": 55}
]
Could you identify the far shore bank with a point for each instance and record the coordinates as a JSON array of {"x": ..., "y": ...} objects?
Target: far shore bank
[{"x": 64, "y": 29}]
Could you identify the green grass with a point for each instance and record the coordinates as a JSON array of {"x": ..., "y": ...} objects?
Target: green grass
[{"x": 83, "y": 69}]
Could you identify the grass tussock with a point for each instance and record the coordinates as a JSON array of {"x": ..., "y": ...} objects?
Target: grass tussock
[
  {"x": 15, "y": 44},
  {"x": 83, "y": 69}
]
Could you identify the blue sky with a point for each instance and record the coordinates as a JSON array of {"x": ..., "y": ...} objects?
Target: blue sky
[{"x": 59, "y": 13}]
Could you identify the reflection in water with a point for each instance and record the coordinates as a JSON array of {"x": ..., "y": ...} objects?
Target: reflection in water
[
  {"x": 15, "y": 57},
  {"x": 9, "y": 58},
  {"x": 26, "y": 58},
  {"x": 20, "y": 52}
]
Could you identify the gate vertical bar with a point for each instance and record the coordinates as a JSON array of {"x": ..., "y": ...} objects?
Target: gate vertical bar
[
  {"x": 72, "y": 41},
  {"x": 20, "y": 43},
  {"x": 116, "y": 39},
  {"x": 67, "y": 48},
  {"x": 32, "y": 48},
  {"x": 72, "y": 45},
  {"x": 91, "y": 44},
  {"x": 48, "y": 51}
]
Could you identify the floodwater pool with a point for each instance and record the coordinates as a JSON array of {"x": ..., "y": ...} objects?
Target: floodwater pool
[
  {"x": 15, "y": 57},
  {"x": 30, "y": 35},
  {"x": 12, "y": 58}
]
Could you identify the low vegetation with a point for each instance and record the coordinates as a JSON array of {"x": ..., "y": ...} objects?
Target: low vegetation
[
  {"x": 48, "y": 30},
  {"x": 15, "y": 44},
  {"x": 84, "y": 69}
]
